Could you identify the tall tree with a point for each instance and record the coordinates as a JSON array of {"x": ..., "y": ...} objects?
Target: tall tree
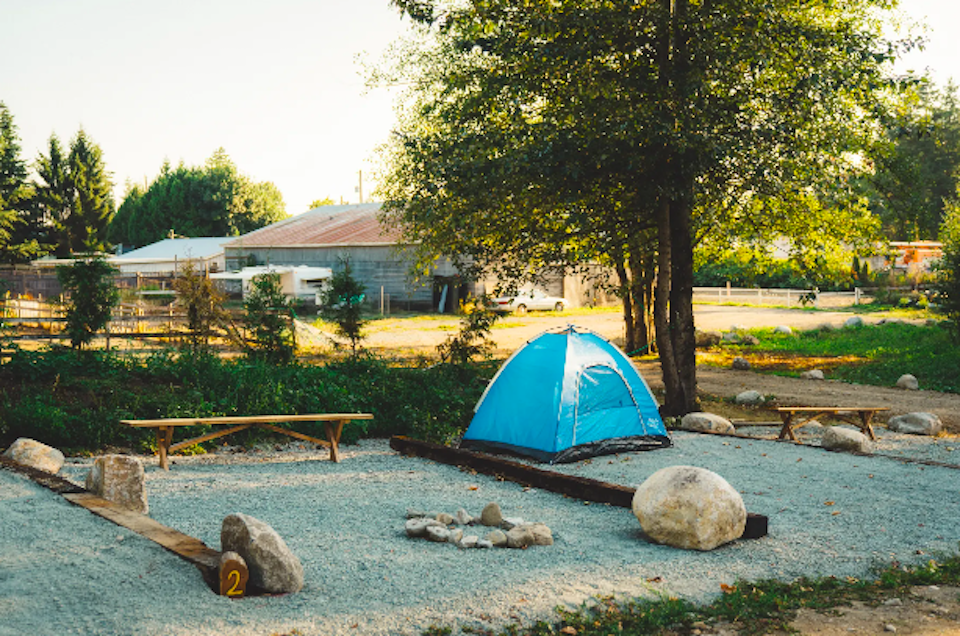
[
  {"x": 18, "y": 236},
  {"x": 210, "y": 200},
  {"x": 75, "y": 195},
  {"x": 917, "y": 167},
  {"x": 543, "y": 132}
]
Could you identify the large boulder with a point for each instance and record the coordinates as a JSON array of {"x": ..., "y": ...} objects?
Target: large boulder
[
  {"x": 690, "y": 508},
  {"x": 273, "y": 567},
  {"x": 32, "y": 453},
  {"x": 706, "y": 423},
  {"x": 491, "y": 515},
  {"x": 908, "y": 382},
  {"x": 845, "y": 439},
  {"x": 749, "y": 398},
  {"x": 916, "y": 424},
  {"x": 120, "y": 479}
]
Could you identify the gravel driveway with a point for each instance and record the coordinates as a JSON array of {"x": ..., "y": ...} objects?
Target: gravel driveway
[{"x": 65, "y": 571}]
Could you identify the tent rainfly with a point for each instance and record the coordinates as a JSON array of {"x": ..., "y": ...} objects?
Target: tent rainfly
[{"x": 564, "y": 396}]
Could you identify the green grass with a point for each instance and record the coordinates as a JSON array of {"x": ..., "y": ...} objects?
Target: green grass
[
  {"x": 752, "y": 608},
  {"x": 876, "y": 355}
]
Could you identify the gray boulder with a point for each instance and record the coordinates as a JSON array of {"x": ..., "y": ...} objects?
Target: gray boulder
[
  {"x": 783, "y": 329},
  {"x": 706, "y": 423},
  {"x": 120, "y": 479},
  {"x": 845, "y": 439},
  {"x": 853, "y": 321},
  {"x": 812, "y": 374},
  {"x": 690, "y": 508},
  {"x": 491, "y": 515},
  {"x": 749, "y": 398},
  {"x": 32, "y": 453},
  {"x": 740, "y": 364},
  {"x": 273, "y": 567},
  {"x": 916, "y": 424},
  {"x": 908, "y": 382}
]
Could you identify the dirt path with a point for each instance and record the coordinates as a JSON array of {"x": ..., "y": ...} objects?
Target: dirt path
[{"x": 724, "y": 383}]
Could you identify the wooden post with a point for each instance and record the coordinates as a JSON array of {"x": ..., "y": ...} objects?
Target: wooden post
[{"x": 233, "y": 575}]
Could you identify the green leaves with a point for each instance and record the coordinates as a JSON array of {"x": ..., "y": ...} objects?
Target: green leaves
[{"x": 92, "y": 295}]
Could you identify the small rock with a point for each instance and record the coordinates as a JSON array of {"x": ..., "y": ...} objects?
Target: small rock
[
  {"x": 916, "y": 424},
  {"x": 889, "y": 628},
  {"x": 731, "y": 336},
  {"x": 463, "y": 518},
  {"x": 542, "y": 535},
  {"x": 438, "y": 534},
  {"x": 496, "y": 538},
  {"x": 519, "y": 537},
  {"x": 455, "y": 535},
  {"x": 484, "y": 544},
  {"x": 853, "y": 321},
  {"x": 827, "y": 327},
  {"x": 908, "y": 382},
  {"x": 784, "y": 329},
  {"x": 509, "y": 523},
  {"x": 468, "y": 542},
  {"x": 418, "y": 527},
  {"x": 444, "y": 518},
  {"x": 413, "y": 513},
  {"x": 491, "y": 515},
  {"x": 812, "y": 374},
  {"x": 706, "y": 423},
  {"x": 750, "y": 339},
  {"x": 740, "y": 364},
  {"x": 750, "y": 398},
  {"x": 893, "y": 602},
  {"x": 845, "y": 439},
  {"x": 32, "y": 453}
]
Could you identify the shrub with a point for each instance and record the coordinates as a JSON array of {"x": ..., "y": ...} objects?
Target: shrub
[
  {"x": 269, "y": 320},
  {"x": 342, "y": 303},
  {"x": 92, "y": 297},
  {"x": 948, "y": 269},
  {"x": 472, "y": 341},
  {"x": 203, "y": 302}
]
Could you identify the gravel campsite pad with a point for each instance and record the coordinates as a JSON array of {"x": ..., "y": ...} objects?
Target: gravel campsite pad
[{"x": 63, "y": 570}]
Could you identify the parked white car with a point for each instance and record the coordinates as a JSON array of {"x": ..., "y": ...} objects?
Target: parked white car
[{"x": 529, "y": 300}]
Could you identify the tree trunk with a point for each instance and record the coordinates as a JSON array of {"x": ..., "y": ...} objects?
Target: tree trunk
[
  {"x": 625, "y": 295},
  {"x": 682, "y": 330},
  {"x": 673, "y": 398}
]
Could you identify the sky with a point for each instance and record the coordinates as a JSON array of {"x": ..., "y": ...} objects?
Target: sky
[{"x": 276, "y": 84}]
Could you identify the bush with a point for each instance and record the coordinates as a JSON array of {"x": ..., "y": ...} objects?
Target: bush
[
  {"x": 57, "y": 399},
  {"x": 948, "y": 269},
  {"x": 269, "y": 320},
  {"x": 342, "y": 303},
  {"x": 92, "y": 297}
]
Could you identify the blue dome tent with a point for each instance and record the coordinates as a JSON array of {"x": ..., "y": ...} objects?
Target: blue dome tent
[{"x": 564, "y": 396}]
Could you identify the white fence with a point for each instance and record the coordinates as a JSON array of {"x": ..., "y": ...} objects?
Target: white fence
[{"x": 778, "y": 297}]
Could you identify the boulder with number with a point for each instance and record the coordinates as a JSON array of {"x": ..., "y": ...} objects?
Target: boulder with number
[{"x": 273, "y": 567}]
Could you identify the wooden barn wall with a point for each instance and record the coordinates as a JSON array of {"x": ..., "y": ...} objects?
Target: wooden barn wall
[{"x": 373, "y": 266}]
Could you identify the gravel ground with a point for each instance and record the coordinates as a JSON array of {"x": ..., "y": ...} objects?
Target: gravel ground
[{"x": 65, "y": 571}]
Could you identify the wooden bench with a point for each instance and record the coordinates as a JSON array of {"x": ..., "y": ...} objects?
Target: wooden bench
[
  {"x": 796, "y": 416},
  {"x": 333, "y": 422}
]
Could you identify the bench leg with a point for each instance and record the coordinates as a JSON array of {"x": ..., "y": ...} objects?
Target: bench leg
[
  {"x": 164, "y": 437},
  {"x": 865, "y": 426},
  {"x": 787, "y": 430},
  {"x": 334, "y": 429}
]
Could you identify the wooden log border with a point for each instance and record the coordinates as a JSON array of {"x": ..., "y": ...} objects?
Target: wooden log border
[
  {"x": 582, "y": 488},
  {"x": 188, "y": 548}
]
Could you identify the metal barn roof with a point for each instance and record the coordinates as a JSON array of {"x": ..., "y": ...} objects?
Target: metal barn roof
[
  {"x": 327, "y": 225},
  {"x": 178, "y": 248}
]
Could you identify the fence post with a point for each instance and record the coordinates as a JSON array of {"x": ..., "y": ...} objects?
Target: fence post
[
  {"x": 728, "y": 290},
  {"x": 856, "y": 295}
]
